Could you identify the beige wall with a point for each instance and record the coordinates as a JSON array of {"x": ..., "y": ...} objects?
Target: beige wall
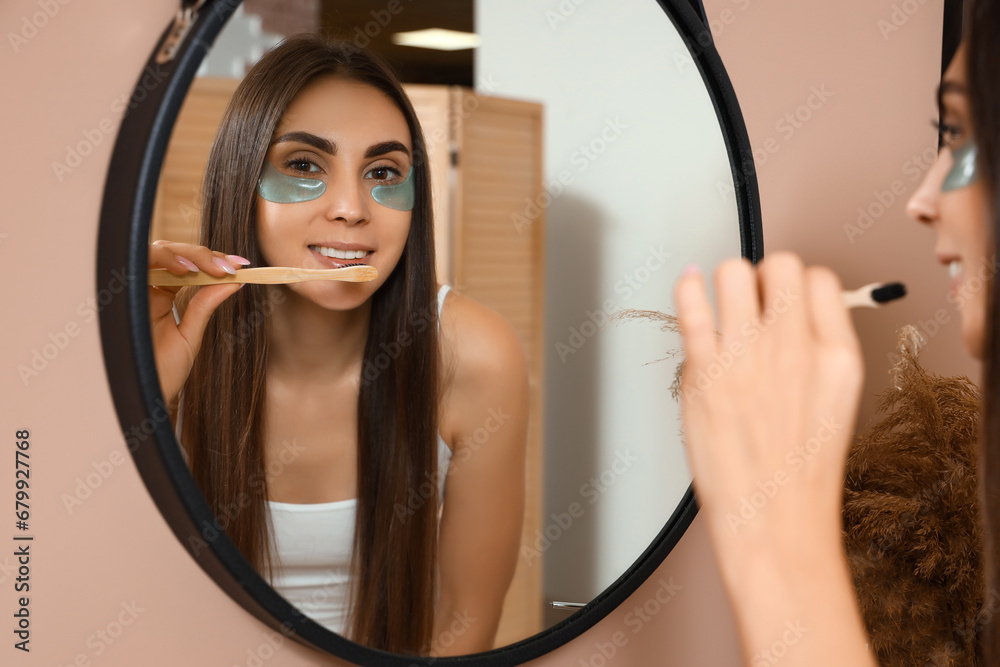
[
  {"x": 114, "y": 550},
  {"x": 862, "y": 139}
]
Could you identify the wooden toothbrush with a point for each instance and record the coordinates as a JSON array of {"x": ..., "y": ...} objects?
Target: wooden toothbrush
[{"x": 269, "y": 275}]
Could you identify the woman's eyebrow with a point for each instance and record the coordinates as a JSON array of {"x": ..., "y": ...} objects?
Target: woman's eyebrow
[
  {"x": 386, "y": 147},
  {"x": 308, "y": 138}
]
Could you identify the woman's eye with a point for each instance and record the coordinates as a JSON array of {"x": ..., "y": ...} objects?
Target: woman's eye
[
  {"x": 302, "y": 165},
  {"x": 948, "y": 134},
  {"x": 383, "y": 173}
]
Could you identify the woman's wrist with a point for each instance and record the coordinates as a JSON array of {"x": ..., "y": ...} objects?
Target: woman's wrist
[
  {"x": 787, "y": 539},
  {"x": 800, "y": 603}
]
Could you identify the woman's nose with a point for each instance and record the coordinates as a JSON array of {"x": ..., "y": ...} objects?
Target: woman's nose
[
  {"x": 923, "y": 204},
  {"x": 347, "y": 200}
]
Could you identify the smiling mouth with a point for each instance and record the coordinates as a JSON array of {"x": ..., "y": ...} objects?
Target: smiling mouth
[
  {"x": 333, "y": 253},
  {"x": 340, "y": 259}
]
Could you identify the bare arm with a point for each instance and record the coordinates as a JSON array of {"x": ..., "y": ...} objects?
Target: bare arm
[
  {"x": 770, "y": 429},
  {"x": 484, "y": 494}
]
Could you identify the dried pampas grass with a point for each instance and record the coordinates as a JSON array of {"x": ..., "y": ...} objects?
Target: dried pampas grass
[
  {"x": 912, "y": 525},
  {"x": 668, "y": 324}
]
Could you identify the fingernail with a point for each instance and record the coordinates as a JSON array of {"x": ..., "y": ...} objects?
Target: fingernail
[
  {"x": 225, "y": 266},
  {"x": 691, "y": 269},
  {"x": 236, "y": 259},
  {"x": 188, "y": 264}
]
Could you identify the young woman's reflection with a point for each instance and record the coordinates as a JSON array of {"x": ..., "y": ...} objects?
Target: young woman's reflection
[
  {"x": 330, "y": 417},
  {"x": 787, "y": 566}
]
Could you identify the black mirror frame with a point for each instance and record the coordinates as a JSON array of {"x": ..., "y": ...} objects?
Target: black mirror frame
[{"x": 128, "y": 355}]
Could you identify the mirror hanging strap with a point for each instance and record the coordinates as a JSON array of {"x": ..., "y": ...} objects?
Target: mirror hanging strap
[{"x": 186, "y": 16}]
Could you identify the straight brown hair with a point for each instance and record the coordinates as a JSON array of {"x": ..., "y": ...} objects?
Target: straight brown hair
[
  {"x": 983, "y": 19},
  {"x": 395, "y": 554}
]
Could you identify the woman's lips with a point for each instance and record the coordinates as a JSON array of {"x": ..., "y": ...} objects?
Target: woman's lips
[{"x": 957, "y": 272}]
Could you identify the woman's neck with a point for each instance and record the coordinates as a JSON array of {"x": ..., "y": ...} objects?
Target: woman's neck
[{"x": 311, "y": 343}]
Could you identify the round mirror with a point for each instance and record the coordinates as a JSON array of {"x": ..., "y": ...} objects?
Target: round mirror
[{"x": 578, "y": 155}]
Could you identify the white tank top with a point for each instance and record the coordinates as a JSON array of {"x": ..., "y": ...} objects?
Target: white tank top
[{"x": 313, "y": 544}]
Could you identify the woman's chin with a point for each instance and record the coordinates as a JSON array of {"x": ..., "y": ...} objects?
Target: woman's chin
[
  {"x": 332, "y": 295},
  {"x": 972, "y": 338}
]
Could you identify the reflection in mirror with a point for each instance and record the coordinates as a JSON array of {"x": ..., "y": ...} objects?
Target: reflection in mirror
[
  {"x": 548, "y": 458},
  {"x": 640, "y": 185}
]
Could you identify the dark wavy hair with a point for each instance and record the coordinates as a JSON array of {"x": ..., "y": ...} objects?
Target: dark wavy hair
[{"x": 394, "y": 559}]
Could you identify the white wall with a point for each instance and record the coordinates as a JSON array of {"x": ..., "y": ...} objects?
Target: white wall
[
  {"x": 661, "y": 183},
  {"x": 241, "y": 43}
]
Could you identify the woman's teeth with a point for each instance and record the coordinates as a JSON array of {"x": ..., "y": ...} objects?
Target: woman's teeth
[
  {"x": 954, "y": 267},
  {"x": 340, "y": 254}
]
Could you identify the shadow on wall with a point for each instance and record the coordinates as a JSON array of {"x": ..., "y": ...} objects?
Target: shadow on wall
[{"x": 569, "y": 537}]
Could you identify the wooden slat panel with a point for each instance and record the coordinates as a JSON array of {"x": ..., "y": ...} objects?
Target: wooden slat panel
[
  {"x": 432, "y": 105},
  {"x": 499, "y": 167},
  {"x": 177, "y": 212}
]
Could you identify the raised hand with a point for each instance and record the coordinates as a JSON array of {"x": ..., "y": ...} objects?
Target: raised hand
[{"x": 176, "y": 345}]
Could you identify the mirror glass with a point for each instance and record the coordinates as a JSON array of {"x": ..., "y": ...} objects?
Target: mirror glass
[{"x": 577, "y": 165}]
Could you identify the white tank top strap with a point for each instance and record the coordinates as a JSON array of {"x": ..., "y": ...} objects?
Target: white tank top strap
[
  {"x": 442, "y": 293},
  {"x": 444, "y": 460},
  {"x": 444, "y": 451}
]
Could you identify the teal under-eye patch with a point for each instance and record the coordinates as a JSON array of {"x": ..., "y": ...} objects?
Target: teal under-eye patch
[
  {"x": 284, "y": 189},
  {"x": 400, "y": 196},
  {"x": 964, "y": 171}
]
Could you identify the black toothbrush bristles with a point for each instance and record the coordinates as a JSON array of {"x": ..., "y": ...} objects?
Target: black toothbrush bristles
[{"x": 888, "y": 292}]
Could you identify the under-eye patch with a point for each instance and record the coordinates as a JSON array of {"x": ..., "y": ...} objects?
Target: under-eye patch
[
  {"x": 284, "y": 189},
  {"x": 399, "y": 196},
  {"x": 964, "y": 171}
]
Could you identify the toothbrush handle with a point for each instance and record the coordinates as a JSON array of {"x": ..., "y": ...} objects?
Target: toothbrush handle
[{"x": 269, "y": 275}]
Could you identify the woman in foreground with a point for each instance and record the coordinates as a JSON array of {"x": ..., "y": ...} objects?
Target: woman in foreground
[{"x": 798, "y": 385}]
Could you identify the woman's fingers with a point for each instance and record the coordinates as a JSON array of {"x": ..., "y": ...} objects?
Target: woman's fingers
[
  {"x": 830, "y": 318},
  {"x": 161, "y": 302},
  {"x": 177, "y": 344},
  {"x": 181, "y": 258},
  {"x": 782, "y": 293},
  {"x": 840, "y": 359},
  {"x": 736, "y": 295},
  {"x": 200, "y": 309},
  {"x": 696, "y": 321}
]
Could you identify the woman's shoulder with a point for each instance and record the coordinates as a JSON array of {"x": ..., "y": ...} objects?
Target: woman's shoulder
[
  {"x": 478, "y": 337},
  {"x": 484, "y": 366}
]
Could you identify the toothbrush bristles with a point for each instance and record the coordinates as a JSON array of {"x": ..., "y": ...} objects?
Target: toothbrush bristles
[{"x": 888, "y": 292}]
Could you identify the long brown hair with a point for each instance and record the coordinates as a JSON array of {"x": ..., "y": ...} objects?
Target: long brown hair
[
  {"x": 984, "y": 101},
  {"x": 395, "y": 553}
]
